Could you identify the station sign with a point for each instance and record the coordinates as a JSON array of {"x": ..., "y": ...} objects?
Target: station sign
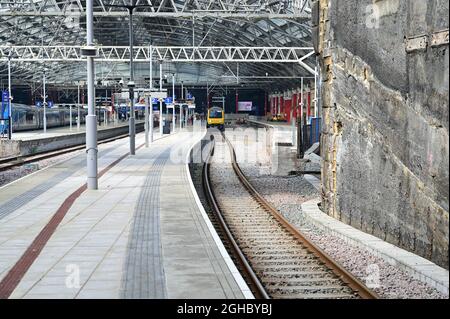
[
  {"x": 168, "y": 100},
  {"x": 5, "y": 105}
]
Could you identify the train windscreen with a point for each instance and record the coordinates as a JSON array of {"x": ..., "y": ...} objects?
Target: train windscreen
[{"x": 215, "y": 114}]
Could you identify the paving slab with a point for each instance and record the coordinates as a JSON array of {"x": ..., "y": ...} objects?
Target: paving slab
[{"x": 143, "y": 234}]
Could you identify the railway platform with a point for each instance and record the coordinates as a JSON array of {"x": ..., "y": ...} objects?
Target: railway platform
[
  {"x": 283, "y": 132},
  {"x": 142, "y": 234},
  {"x": 62, "y": 131},
  {"x": 30, "y": 143}
]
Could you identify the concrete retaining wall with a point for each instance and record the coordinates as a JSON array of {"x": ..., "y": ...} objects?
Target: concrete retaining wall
[
  {"x": 36, "y": 146},
  {"x": 385, "y": 120}
]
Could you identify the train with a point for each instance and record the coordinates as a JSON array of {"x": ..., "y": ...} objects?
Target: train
[
  {"x": 216, "y": 118},
  {"x": 26, "y": 117}
]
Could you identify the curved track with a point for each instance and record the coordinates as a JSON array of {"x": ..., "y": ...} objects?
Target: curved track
[{"x": 277, "y": 260}]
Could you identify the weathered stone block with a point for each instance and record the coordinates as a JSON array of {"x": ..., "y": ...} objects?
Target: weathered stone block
[{"x": 385, "y": 132}]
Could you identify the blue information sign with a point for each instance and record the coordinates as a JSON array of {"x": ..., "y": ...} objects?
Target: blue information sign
[
  {"x": 168, "y": 100},
  {"x": 155, "y": 100},
  {"x": 4, "y": 113},
  {"x": 5, "y": 105}
]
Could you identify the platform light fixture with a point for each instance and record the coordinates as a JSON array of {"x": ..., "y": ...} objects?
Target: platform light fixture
[
  {"x": 91, "y": 118},
  {"x": 132, "y": 121}
]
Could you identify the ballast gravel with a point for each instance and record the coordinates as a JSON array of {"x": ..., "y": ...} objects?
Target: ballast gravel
[{"x": 287, "y": 193}]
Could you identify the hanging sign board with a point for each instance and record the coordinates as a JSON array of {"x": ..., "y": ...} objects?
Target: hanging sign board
[{"x": 245, "y": 106}]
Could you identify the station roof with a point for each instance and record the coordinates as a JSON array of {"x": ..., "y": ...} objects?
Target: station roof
[{"x": 215, "y": 23}]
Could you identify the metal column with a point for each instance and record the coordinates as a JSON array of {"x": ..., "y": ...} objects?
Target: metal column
[
  {"x": 316, "y": 109},
  {"x": 132, "y": 121},
  {"x": 181, "y": 116},
  {"x": 237, "y": 102},
  {"x": 44, "y": 104},
  {"x": 78, "y": 109},
  {"x": 182, "y": 90},
  {"x": 151, "y": 67},
  {"x": 146, "y": 124},
  {"x": 299, "y": 124},
  {"x": 91, "y": 119},
  {"x": 173, "y": 102},
  {"x": 150, "y": 119},
  {"x": 160, "y": 102},
  {"x": 9, "y": 100}
]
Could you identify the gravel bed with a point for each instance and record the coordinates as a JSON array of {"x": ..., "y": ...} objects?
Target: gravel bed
[
  {"x": 288, "y": 193},
  {"x": 17, "y": 172}
]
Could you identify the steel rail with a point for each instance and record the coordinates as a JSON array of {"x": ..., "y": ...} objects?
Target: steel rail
[
  {"x": 356, "y": 285},
  {"x": 255, "y": 284}
]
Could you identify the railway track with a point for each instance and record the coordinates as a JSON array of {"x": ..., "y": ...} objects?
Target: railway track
[
  {"x": 8, "y": 163},
  {"x": 276, "y": 259}
]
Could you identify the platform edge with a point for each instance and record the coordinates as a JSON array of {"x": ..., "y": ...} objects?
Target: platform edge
[
  {"x": 231, "y": 266},
  {"x": 416, "y": 266}
]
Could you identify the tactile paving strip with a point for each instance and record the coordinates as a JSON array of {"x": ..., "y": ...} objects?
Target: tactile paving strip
[{"x": 144, "y": 273}]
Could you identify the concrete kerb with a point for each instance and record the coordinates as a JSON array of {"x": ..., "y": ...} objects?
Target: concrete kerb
[
  {"x": 231, "y": 266},
  {"x": 418, "y": 267}
]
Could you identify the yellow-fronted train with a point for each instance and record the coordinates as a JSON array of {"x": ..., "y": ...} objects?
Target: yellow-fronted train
[{"x": 216, "y": 118}]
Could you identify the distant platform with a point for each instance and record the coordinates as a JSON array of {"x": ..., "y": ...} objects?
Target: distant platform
[
  {"x": 35, "y": 142},
  {"x": 61, "y": 131}
]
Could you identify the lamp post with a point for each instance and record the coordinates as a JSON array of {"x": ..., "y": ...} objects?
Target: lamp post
[
  {"x": 91, "y": 119},
  {"x": 160, "y": 102},
  {"x": 44, "y": 104},
  {"x": 131, "y": 85},
  {"x": 173, "y": 101},
  {"x": 78, "y": 108},
  {"x": 9, "y": 99},
  {"x": 181, "y": 105},
  {"x": 151, "y": 99}
]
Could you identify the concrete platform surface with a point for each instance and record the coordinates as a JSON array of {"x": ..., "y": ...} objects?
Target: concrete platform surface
[{"x": 142, "y": 234}]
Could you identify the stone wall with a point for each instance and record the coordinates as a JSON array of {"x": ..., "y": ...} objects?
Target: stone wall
[{"x": 385, "y": 136}]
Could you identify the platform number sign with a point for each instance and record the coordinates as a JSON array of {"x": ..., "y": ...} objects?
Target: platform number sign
[{"x": 4, "y": 114}]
